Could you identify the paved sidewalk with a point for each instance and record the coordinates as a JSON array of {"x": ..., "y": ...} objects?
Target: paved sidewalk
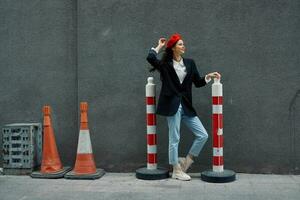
[{"x": 125, "y": 186}]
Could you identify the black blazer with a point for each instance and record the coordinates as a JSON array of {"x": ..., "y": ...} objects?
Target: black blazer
[{"x": 172, "y": 92}]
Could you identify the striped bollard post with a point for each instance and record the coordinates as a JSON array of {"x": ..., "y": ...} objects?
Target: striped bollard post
[
  {"x": 151, "y": 172},
  {"x": 151, "y": 125},
  {"x": 217, "y": 126},
  {"x": 217, "y": 174}
]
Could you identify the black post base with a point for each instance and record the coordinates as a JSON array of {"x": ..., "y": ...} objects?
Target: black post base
[
  {"x": 218, "y": 177},
  {"x": 152, "y": 174}
]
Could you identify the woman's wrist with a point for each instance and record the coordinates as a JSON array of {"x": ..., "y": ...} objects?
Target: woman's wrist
[
  {"x": 158, "y": 48},
  {"x": 207, "y": 78}
]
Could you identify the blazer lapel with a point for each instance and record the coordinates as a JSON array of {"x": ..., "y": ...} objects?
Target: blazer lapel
[
  {"x": 188, "y": 70},
  {"x": 170, "y": 63}
]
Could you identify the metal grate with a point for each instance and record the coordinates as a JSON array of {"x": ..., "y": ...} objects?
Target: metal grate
[{"x": 22, "y": 146}]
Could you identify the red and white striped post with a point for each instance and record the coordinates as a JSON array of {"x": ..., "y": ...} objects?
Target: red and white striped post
[
  {"x": 217, "y": 126},
  {"x": 151, "y": 125},
  {"x": 217, "y": 174},
  {"x": 152, "y": 171}
]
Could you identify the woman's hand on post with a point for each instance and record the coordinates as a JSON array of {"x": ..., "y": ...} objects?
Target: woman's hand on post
[{"x": 214, "y": 75}]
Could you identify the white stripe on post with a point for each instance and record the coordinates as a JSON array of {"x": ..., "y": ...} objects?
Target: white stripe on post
[
  {"x": 217, "y": 151},
  {"x": 151, "y": 148},
  {"x": 150, "y": 108},
  {"x": 151, "y": 166},
  {"x": 217, "y": 109},
  {"x": 217, "y": 90},
  {"x": 218, "y": 168},
  {"x": 150, "y": 88},
  {"x": 151, "y": 129}
]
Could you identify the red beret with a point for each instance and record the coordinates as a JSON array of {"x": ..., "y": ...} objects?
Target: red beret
[{"x": 173, "y": 39}]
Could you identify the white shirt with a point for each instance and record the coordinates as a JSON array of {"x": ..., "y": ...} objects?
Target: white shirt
[{"x": 180, "y": 69}]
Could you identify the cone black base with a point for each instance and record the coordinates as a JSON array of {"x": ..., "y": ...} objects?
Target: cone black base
[
  {"x": 99, "y": 173},
  {"x": 152, "y": 174},
  {"x": 218, "y": 177},
  {"x": 59, "y": 174}
]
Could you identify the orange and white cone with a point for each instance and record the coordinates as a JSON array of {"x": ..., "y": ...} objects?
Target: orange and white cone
[
  {"x": 85, "y": 167},
  {"x": 51, "y": 164}
]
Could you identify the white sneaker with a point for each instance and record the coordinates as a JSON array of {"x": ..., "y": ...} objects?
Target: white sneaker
[
  {"x": 185, "y": 163},
  {"x": 180, "y": 175},
  {"x": 181, "y": 161}
]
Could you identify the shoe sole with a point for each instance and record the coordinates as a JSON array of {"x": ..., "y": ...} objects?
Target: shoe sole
[{"x": 181, "y": 179}]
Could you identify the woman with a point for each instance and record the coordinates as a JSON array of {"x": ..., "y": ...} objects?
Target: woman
[{"x": 175, "y": 99}]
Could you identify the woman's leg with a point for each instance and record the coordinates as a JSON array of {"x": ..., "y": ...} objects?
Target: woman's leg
[
  {"x": 174, "y": 136},
  {"x": 195, "y": 125}
]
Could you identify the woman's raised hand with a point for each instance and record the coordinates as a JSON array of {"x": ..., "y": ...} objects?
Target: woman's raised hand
[{"x": 162, "y": 42}]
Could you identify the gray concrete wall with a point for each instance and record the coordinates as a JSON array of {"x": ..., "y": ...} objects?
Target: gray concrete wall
[
  {"x": 254, "y": 44},
  {"x": 38, "y": 66}
]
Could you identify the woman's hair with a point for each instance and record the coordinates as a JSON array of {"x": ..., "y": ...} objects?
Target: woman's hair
[{"x": 166, "y": 57}]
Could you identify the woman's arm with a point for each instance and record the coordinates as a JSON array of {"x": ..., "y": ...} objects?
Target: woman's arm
[
  {"x": 196, "y": 78},
  {"x": 152, "y": 56},
  {"x": 201, "y": 81}
]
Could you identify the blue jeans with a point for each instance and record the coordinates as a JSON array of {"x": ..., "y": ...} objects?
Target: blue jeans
[{"x": 194, "y": 124}]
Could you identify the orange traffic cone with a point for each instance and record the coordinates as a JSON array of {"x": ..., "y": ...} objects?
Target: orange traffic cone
[
  {"x": 51, "y": 165},
  {"x": 85, "y": 167}
]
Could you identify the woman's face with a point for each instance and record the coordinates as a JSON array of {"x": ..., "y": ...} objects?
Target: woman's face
[{"x": 179, "y": 48}]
